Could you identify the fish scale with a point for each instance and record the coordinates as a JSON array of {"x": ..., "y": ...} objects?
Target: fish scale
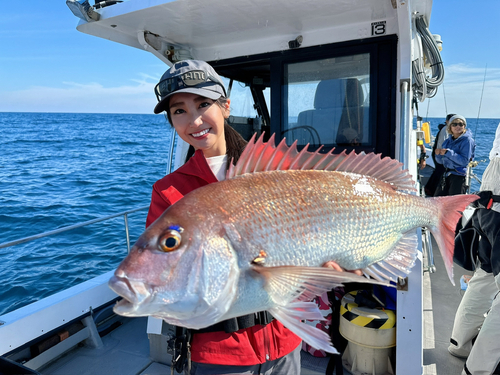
[{"x": 265, "y": 214}]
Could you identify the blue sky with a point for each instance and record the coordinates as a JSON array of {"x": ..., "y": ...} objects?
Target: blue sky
[{"x": 46, "y": 65}]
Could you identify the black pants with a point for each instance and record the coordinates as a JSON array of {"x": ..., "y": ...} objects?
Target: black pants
[
  {"x": 434, "y": 180},
  {"x": 451, "y": 185}
]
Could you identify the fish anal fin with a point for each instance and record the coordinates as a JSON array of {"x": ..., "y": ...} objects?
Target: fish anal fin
[
  {"x": 399, "y": 261},
  {"x": 265, "y": 156}
]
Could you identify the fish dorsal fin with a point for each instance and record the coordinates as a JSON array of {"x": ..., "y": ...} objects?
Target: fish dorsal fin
[{"x": 260, "y": 156}]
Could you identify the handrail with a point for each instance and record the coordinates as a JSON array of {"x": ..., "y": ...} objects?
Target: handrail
[
  {"x": 403, "y": 123},
  {"x": 64, "y": 229},
  {"x": 469, "y": 173},
  {"x": 170, "y": 160}
]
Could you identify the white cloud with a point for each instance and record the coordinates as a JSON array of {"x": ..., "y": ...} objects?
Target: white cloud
[
  {"x": 463, "y": 87},
  {"x": 137, "y": 97}
]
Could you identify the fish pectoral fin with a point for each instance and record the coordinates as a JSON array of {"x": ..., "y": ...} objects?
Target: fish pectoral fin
[
  {"x": 286, "y": 284},
  {"x": 293, "y": 287},
  {"x": 291, "y": 316},
  {"x": 399, "y": 261}
]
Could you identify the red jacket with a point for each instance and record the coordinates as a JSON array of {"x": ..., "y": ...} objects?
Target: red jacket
[
  {"x": 245, "y": 347},
  {"x": 192, "y": 175}
]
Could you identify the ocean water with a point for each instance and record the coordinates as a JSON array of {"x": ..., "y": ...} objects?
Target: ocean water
[
  {"x": 58, "y": 170},
  {"x": 61, "y": 169}
]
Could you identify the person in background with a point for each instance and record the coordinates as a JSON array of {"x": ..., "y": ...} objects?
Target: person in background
[
  {"x": 456, "y": 153},
  {"x": 437, "y": 174},
  {"x": 422, "y": 157},
  {"x": 194, "y": 97},
  {"x": 483, "y": 290}
]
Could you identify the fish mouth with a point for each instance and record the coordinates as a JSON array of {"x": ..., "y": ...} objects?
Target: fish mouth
[{"x": 134, "y": 293}]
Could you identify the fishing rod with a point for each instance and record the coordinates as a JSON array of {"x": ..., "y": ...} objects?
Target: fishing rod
[
  {"x": 445, "y": 105},
  {"x": 481, "y": 100},
  {"x": 472, "y": 164}
]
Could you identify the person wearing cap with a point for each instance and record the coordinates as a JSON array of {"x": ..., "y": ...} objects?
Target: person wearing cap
[
  {"x": 194, "y": 98},
  {"x": 456, "y": 153},
  {"x": 437, "y": 173},
  {"x": 476, "y": 328}
]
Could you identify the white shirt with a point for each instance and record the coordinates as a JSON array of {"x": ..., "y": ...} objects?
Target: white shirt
[
  {"x": 491, "y": 175},
  {"x": 218, "y": 166},
  {"x": 495, "y": 150}
]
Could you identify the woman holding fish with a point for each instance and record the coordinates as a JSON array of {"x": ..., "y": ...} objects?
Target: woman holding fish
[
  {"x": 232, "y": 251},
  {"x": 194, "y": 98},
  {"x": 456, "y": 153}
]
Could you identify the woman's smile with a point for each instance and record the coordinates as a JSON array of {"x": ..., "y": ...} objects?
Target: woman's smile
[{"x": 201, "y": 133}]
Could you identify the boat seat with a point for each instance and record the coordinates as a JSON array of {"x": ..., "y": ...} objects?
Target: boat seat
[{"x": 338, "y": 114}]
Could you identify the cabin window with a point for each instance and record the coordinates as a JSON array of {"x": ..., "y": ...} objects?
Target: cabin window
[
  {"x": 244, "y": 115},
  {"x": 328, "y": 101},
  {"x": 242, "y": 103},
  {"x": 340, "y": 95}
]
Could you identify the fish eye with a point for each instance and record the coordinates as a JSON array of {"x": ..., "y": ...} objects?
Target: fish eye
[{"x": 170, "y": 241}]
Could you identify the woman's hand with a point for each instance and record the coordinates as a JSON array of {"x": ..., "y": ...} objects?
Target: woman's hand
[
  {"x": 336, "y": 267},
  {"x": 441, "y": 151}
]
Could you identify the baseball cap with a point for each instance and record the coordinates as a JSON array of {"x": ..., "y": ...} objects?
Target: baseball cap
[{"x": 189, "y": 76}]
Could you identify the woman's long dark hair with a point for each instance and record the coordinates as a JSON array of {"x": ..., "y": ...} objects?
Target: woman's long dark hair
[{"x": 235, "y": 143}]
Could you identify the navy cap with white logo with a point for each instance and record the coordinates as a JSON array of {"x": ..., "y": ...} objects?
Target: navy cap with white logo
[{"x": 189, "y": 76}]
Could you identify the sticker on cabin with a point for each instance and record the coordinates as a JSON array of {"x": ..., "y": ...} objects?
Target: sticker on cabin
[{"x": 378, "y": 28}]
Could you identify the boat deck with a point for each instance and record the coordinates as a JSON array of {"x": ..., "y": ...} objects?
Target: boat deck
[
  {"x": 441, "y": 300},
  {"x": 126, "y": 349}
]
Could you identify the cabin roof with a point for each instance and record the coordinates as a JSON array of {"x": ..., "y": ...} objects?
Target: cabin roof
[{"x": 215, "y": 29}]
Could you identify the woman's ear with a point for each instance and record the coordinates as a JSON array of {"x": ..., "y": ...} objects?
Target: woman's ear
[{"x": 226, "y": 110}]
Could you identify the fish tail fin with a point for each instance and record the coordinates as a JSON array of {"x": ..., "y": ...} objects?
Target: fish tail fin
[{"x": 450, "y": 210}]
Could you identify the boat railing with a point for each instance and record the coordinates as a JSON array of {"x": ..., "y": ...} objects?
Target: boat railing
[
  {"x": 84, "y": 305},
  {"x": 71, "y": 227},
  {"x": 469, "y": 175}
]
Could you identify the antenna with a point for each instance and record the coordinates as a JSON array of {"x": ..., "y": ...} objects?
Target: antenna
[{"x": 480, "y": 101}]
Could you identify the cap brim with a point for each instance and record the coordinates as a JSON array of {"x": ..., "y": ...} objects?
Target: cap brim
[{"x": 162, "y": 105}]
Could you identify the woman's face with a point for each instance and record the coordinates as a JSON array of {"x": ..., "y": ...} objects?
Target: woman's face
[
  {"x": 457, "y": 130},
  {"x": 200, "y": 122}
]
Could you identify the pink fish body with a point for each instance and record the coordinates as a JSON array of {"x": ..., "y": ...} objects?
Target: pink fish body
[{"x": 257, "y": 240}]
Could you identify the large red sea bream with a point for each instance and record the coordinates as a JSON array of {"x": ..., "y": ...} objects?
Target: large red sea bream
[{"x": 257, "y": 240}]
